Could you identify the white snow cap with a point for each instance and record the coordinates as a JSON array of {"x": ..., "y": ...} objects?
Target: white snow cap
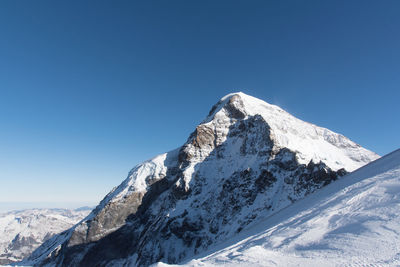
[{"x": 309, "y": 141}]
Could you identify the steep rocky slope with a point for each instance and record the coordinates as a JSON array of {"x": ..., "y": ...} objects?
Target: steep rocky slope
[
  {"x": 21, "y": 232},
  {"x": 246, "y": 160},
  {"x": 351, "y": 222}
]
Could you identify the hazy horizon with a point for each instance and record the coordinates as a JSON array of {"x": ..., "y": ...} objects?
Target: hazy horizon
[{"x": 16, "y": 206}]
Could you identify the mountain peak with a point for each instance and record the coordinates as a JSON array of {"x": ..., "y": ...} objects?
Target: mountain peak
[
  {"x": 238, "y": 105},
  {"x": 310, "y": 142},
  {"x": 248, "y": 159}
]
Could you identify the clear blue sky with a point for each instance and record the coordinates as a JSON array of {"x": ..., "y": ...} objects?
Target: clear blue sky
[{"x": 88, "y": 89}]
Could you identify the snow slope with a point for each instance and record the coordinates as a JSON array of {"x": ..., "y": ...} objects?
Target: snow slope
[
  {"x": 23, "y": 231},
  {"x": 352, "y": 222}
]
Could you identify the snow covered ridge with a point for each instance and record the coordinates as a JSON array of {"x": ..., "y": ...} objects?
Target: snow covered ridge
[
  {"x": 351, "y": 222},
  {"x": 309, "y": 141},
  {"x": 247, "y": 160},
  {"x": 21, "y": 232}
]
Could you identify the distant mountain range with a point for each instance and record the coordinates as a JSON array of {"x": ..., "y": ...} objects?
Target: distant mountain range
[
  {"x": 21, "y": 232},
  {"x": 248, "y": 160}
]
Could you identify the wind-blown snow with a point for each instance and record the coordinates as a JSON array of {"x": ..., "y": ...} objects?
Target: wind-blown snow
[{"x": 351, "y": 222}]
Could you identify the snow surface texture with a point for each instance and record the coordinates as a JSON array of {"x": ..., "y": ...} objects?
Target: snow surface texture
[
  {"x": 21, "y": 232},
  {"x": 351, "y": 222},
  {"x": 246, "y": 160}
]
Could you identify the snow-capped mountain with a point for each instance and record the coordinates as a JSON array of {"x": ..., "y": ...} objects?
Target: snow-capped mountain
[
  {"x": 351, "y": 222},
  {"x": 21, "y": 232},
  {"x": 246, "y": 159}
]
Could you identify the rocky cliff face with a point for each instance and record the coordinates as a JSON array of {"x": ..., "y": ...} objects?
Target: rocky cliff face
[
  {"x": 245, "y": 161},
  {"x": 21, "y": 232}
]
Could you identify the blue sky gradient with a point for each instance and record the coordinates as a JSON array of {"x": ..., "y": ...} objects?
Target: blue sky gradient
[{"x": 88, "y": 89}]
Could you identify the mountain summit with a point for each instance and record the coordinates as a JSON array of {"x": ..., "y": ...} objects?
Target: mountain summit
[
  {"x": 246, "y": 161},
  {"x": 308, "y": 141}
]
